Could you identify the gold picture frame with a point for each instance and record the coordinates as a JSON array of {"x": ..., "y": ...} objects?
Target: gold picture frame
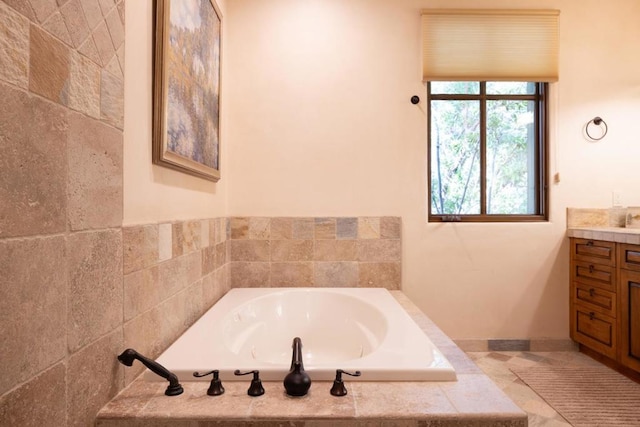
[{"x": 186, "y": 95}]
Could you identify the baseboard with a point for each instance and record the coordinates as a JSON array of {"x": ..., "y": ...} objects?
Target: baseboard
[{"x": 535, "y": 344}]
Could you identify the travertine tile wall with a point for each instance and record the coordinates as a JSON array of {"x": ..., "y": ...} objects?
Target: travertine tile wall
[
  {"x": 323, "y": 252},
  {"x": 61, "y": 283},
  {"x": 75, "y": 287},
  {"x": 173, "y": 272},
  {"x": 607, "y": 217}
]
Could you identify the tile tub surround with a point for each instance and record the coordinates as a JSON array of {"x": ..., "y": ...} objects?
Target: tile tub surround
[
  {"x": 173, "y": 273},
  {"x": 315, "y": 252},
  {"x": 61, "y": 193},
  {"x": 473, "y": 401}
]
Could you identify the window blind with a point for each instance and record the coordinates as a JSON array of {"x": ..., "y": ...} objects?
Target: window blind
[{"x": 490, "y": 45}]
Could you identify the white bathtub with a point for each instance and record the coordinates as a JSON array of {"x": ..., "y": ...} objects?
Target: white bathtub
[{"x": 362, "y": 329}]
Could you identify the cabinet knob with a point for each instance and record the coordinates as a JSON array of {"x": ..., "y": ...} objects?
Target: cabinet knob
[
  {"x": 591, "y": 268},
  {"x": 591, "y": 315},
  {"x": 591, "y": 291},
  {"x": 590, "y": 243}
]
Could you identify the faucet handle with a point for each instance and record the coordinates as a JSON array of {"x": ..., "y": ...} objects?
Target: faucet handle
[
  {"x": 215, "y": 388},
  {"x": 338, "y": 388},
  {"x": 255, "y": 389}
]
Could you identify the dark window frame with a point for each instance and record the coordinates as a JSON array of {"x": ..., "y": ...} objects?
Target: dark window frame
[{"x": 541, "y": 133}]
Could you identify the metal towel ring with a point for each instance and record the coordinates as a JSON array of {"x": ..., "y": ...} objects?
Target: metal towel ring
[{"x": 597, "y": 121}]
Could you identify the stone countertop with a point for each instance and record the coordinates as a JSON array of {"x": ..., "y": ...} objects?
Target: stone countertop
[
  {"x": 609, "y": 234},
  {"x": 473, "y": 401},
  {"x": 601, "y": 224}
]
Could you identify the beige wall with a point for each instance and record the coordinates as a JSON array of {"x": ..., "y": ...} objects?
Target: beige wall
[
  {"x": 320, "y": 123},
  {"x": 153, "y": 193}
]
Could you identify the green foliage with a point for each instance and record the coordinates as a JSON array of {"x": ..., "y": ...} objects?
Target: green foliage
[
  {"x": 455, "y": 157},
  {"x": 455, "y": 152}
]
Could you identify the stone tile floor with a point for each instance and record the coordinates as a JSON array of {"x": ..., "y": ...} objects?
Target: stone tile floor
[{"x": 497, "y": 365}]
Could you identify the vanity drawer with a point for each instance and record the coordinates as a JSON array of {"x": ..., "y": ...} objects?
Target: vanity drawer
[
  {"x": 594, "y": 298},
  {"x": 593, "y": 251},
  {"x": 588, "y": 273},
  {"x": 629, "y": 257},
  {"x": 594, "y": 330}
]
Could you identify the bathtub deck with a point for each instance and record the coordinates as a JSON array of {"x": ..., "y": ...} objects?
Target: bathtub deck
[{"x": 473, "y": 401}]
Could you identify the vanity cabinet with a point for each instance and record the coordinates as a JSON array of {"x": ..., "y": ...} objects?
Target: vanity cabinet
[
  {"x": 629, "y": 297},
  {"x": 605, "y": 299},
  {"x": 593, "y": 295}
]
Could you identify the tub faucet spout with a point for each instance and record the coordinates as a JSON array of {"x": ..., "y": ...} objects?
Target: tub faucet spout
[{"x": 297, "y": 381}]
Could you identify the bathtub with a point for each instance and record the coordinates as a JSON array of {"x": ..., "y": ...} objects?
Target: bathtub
[{"x": 352, "y": 329}]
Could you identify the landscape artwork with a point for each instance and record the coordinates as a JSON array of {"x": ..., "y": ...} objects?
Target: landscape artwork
[{"x": 187, "y": 92}]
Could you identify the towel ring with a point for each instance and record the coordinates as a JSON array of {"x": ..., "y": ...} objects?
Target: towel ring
[{"x": 597, "y": 121}]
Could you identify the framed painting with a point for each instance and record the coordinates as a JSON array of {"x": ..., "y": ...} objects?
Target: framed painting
[{"x": 186, "y": 96}]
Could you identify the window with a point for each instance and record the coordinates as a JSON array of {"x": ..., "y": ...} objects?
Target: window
[
  {"x": 487, "y": 73},
  {"x": 487, "y": 151}
]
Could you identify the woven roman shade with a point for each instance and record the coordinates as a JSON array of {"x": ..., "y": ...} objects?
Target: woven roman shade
[{"x": 490, "y": 45}]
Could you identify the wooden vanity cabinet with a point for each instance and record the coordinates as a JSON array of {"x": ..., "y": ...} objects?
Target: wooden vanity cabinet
[
  {"x": 593, "y": 295},
  {"x": 629, "y": 299},
  {"x": 605, "y": 299}
]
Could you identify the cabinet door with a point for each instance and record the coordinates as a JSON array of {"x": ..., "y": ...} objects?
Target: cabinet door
[{"x": 629, "y": 318}]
